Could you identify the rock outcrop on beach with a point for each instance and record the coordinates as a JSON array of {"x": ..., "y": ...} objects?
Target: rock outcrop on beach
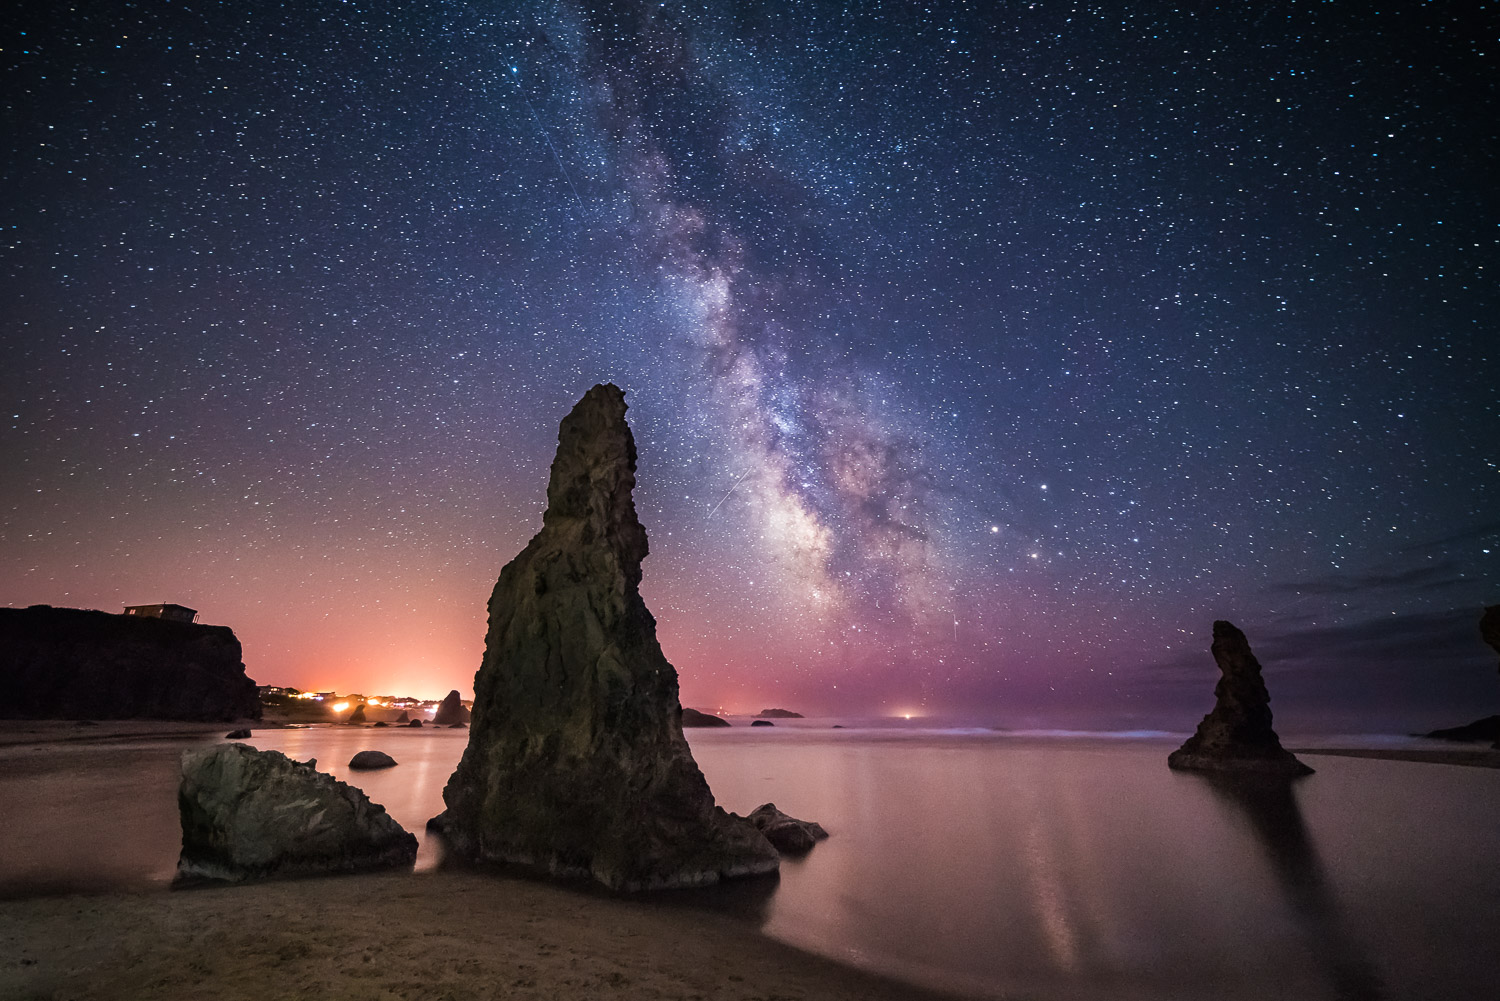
[
  {"x": 692, "y": 717},
  {"x": 1236, "y": 736},
  {"x": 249, "y": 814},
  {"x": 367, "y": 760},
  {"x": 778, "y": 714},
  {"x": 576, "y": 764},
  {"x": 790, "y": 835},
  {"x": 358, "y": 715},
  {"x": 405, "y": 717},
  {"x": 451, "y": 710},
  {"x": 67, "y": 663}
]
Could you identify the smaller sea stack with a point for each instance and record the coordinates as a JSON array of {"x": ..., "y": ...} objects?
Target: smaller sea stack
[
  {"x": 1237, "y": 735},
  {"x": 451, "y": 710}
]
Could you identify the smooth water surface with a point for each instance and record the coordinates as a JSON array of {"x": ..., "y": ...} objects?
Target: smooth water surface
[{"x": 1036, "y": 867}]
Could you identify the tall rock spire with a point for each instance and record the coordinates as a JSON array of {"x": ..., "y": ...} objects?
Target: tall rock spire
[
  {"x": 1237, "y": 735},
  {"x": 576, "y": 763}
]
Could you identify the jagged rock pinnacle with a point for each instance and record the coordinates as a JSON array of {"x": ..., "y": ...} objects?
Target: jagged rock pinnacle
[
  {"x": 576, "y": 763},
  {"x": 1237, "y": 735}
]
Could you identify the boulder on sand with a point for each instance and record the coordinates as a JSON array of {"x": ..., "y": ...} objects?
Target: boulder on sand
[
  {"x": 790, "y": 835},
  {"x": 249, "y": 814},
  {"x": 1236, "y": 736},
  {"x": 576, "y": 764}
]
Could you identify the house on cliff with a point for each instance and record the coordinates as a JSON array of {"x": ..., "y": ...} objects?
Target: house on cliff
[{"x": 172, "y": 613}]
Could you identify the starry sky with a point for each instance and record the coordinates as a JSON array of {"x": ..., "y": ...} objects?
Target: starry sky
[{"x": 979, "y": 355}]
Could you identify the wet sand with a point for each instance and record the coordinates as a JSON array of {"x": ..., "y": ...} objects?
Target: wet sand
[{"x": 442, "y": 935}]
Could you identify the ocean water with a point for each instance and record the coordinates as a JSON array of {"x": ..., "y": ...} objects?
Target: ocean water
[{"x": 1042, "y": 865}]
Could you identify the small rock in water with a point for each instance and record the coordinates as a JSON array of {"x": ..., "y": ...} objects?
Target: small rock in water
[
  {"x": 381, "y": 723},
  {"x": 790, "y": 835},
  {"x": 415, "y": 722},
  {"x": 365, "y": 760},
  {"x": 761, "y": 722},
  {"x": 237, "y": 735}
]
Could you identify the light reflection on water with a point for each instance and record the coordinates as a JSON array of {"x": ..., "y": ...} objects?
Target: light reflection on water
[{"x": 1047, "y": 867}]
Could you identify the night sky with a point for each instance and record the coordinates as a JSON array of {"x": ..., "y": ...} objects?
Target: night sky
[{"x": 979, "y": 355}]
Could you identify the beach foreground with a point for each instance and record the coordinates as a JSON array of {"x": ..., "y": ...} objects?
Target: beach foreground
[{"x": 440, "y": 935}]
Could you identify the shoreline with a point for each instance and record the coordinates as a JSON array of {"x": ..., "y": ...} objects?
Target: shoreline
[
  {"x": 1460, "y": 755},
  {"x": 445, "y": 934}
]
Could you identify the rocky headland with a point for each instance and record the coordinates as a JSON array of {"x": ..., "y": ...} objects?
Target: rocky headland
[
  {"x": 779, "y": 714},
  {"x": 576, "y": 764},
  {"x": 1236, "y": 736},
  {"x": 692, "y": 717},
  {"x": 69, "y": 663},
  {"x": 1488, "y": 727}
]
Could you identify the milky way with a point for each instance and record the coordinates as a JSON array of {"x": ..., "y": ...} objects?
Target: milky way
[{"x": 978, "y": 355}]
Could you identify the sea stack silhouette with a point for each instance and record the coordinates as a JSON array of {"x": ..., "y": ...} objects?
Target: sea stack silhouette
[
  {"x": 576, "y": 764},
  {"x": 1236, "y": 736},
  {"x": 451, "y": 710}
]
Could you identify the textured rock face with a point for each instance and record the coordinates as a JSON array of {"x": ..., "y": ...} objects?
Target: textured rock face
[
  {"x": 62, "y": 663},
  {"x": 788, "y": 834},
  {"x": 1237, "y": 735},
  {"x": 576, "y": 764},
  {"x": 451, "y": 710},
  {"x": 249, "y": 814},
  {"x": 692, "y": 717}
]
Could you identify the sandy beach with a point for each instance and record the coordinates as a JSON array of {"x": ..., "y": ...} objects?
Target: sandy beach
[
  {"x": 450, "y": 934},
  {"x": 444, "y": 935},
  {"x": 464, "y": 933}
]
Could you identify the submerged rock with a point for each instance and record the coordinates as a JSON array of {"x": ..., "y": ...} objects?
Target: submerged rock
[
  {"x": 1237, "y": 735},
  {"x": 576, "y": 764},
  {"x": 790, "y": 835},
  {"x": 779, "y": 714},
  {"x": 66, "y": 663},
  {"x": 450, "y": 711},
  {"x": 366, "y": 760},
  {"x": 249, "y": 814},
  {"x": 692, "y": 717}
]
